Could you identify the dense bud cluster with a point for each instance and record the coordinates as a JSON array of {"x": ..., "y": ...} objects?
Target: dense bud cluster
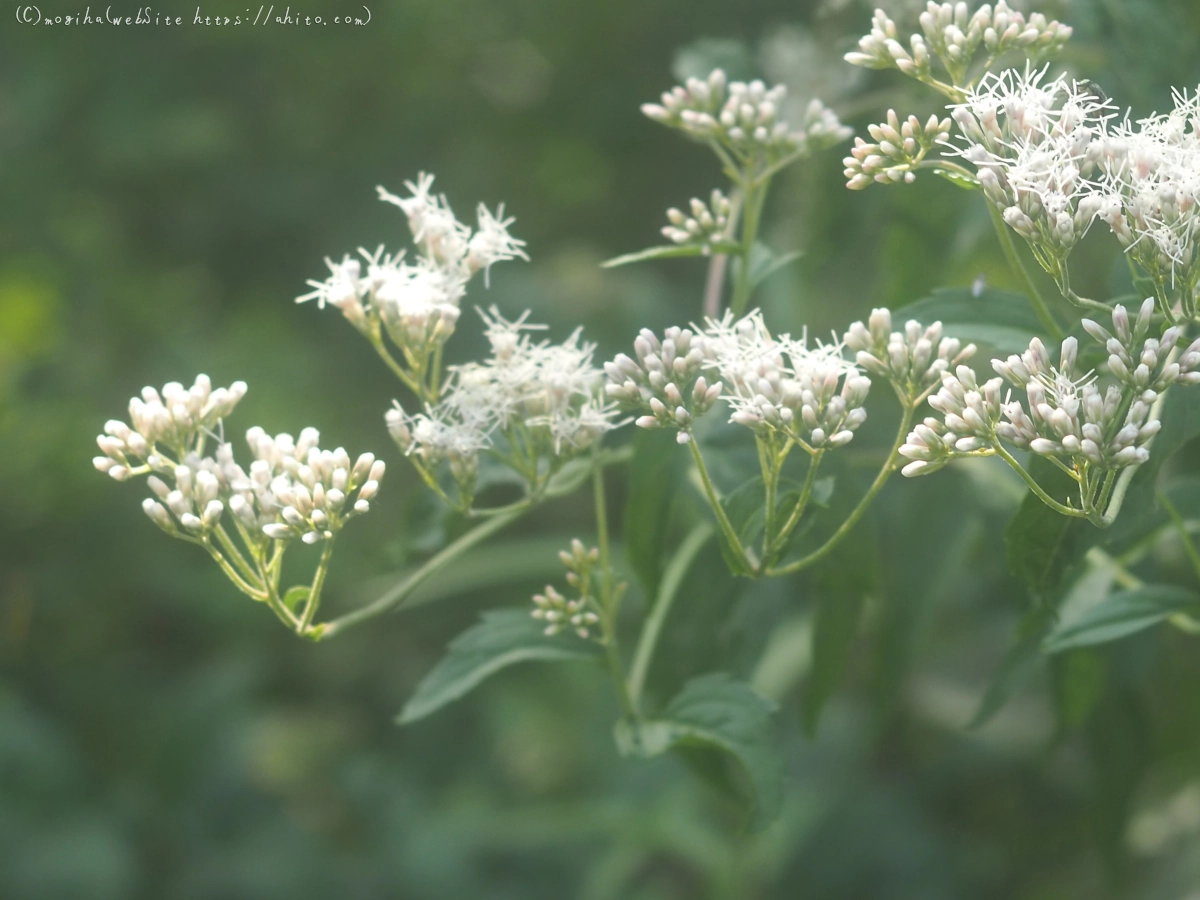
[
  {"x": 956, "y": 37},
  {"x": 665, "y": 383},
  {"x": 745, "y": 118},
  {"x": 705, "y": 227},
  {"x": 914, "y": 360},
  {"x": 179, "y": 418},
  {"x": 580, "y": 613},
  {"x": 897, "y": 152},
  {"x": 193, "y": 502},
  {"x": 970, "y": 413},
  {"x": 811, "y": 394},
  {"x": 1143, "y": 363}
]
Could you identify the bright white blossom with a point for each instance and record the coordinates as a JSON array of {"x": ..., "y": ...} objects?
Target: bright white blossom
[
  {"x": 783, "y": 384},
  {"x": 417, "y": 301}
]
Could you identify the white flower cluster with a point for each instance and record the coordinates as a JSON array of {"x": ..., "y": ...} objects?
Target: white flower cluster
[
  {"x": 898, "y": 151},
  {"x": 665, "y": 383},
  {"x": 540, "y": 398},
  {"x": 745, "y": 118},
  {"x": 956, "y": 36},
  {"x": 782, "y": 385},
  {"x": 1035, "y": 147},
  {"x": 707, "y": 225},
  {"x": 418, "y": 302},
  {"x": 179, "y": 418},
  {"x": 1152, "y": 169},
  {"x": 1066, "y": 416},
  {"x": 581, "y": 613},
  {"x": 293, "y": 489},
  {"x": 913, "y": 360}
]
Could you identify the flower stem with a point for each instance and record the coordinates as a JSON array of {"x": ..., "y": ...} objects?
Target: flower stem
[
  {"x": 889, "y": 466},
  {"x": 668, "y": 589},
  {"x": 1018, "y": 268},
  {"x": 1037, "y": 489},
  {"x": 314, "y": 593},
  {"x": 610, "y": 599},
  {"x": 731, "y": 536},
  {"x": 756, "y": 194},
  {"x": 396, "y": 597},
  {"x": 801, "y": 504}
]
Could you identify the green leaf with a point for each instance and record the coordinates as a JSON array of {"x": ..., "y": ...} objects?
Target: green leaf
[
  {"x": 1079, "y": 685},
  {"x": 966, "y": 182},
  {"x": 1000, "y": 319},
  {"x": 1120, "y": 614},
  {"x": 1043, "y": 545},
  {"x": 570, "y": 477},
  {"x": 1020, "y": 662},
  {"x": 295, "y": 596},
  {"x": 764, "y": 263},
  {"x": 654, "y": 475},
  {"x": 672, "y": 251},
  {"x": 501, "y": 638},
  {"x": 716, "y": 714}
]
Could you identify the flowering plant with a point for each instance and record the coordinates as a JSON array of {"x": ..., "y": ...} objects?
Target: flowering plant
[{"x": 1049, "y": 157}]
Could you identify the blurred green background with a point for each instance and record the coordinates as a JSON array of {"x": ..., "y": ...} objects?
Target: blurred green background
[{"x": 164, "y": 194}]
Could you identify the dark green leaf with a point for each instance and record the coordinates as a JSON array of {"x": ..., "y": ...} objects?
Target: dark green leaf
[
  {"x": 501, "y": 638},
  {"x": 1121, "y": 614},
  {"x": 1020, "y": 662},
  {"x": 716, "y": 713},
  {"x": 1079, "y": 684},
  {"x": 1043, "y": 545},
  {"x": 1000, "y": 319},
  {"x": 672, "y": 251},
  {"x": 843, "y": 584},
  {"x": 654, "y": 476}
]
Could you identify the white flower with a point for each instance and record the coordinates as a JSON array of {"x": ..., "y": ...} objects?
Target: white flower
[
  {"x": 492, "y": 243},
  {"x": 783, "y": 384}
]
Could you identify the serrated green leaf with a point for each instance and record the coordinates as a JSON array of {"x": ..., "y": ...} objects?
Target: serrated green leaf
[
  {"x": 1000, "y": 319},
  {"x": 716, "y": 713},
  {"x": 671, "y": 251},
  {"x": 502, "y": 637},
  {"x": 1121, "y": 614},
  {"x": 658, "y": 465}
]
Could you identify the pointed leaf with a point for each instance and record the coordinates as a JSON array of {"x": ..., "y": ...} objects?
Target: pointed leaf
[
  {"x": 671, "y": 251},
  {"x": 1018, "y": 666},
  {"x": 1041, "y": 544},
  {"x": 1121, "y": 614},
  {"x": 716, "y": 713},
  {"x": 501, "y": 638}
]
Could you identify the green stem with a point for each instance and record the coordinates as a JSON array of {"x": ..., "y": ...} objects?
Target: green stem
[
  {"x": 801, "y": 504},
  {"x": 710, "y": 492},
  {"x": 610, "y": 599},
  {"x": 756, "y": 193},
  {"x": 314, "y": 593},
  {"x": 398, "y": 370},
  {"x": 1018, "y": 267},
  {"x": 238, "y": 560},
  {"x": 768, "y": 462},
  {"x": 1037, "y": 489},
  {"x": 231, "y": 573},
  {"x": 668, "y": 589},
  {"x": 889, "y": 466},
  {"x": 395, "y": 597}
]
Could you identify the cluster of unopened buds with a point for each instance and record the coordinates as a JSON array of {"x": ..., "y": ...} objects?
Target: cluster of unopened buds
[
  {"x": 1066, "y": 415},
  {"x": 665, "y": 383},
  {"x": 956, "y": 36},
  {"x": 707, "y": 225},
  {"x": 745, "y": 118},
  {"x": 178, "y": 418},
  {"x": 581, "y": 614},
  {"x": 897, "y": 151},
  {"x": 913, "y": 360}
]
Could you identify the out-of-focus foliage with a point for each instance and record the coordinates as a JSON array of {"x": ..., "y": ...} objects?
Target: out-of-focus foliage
[{"x": 164, "y": 194}]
